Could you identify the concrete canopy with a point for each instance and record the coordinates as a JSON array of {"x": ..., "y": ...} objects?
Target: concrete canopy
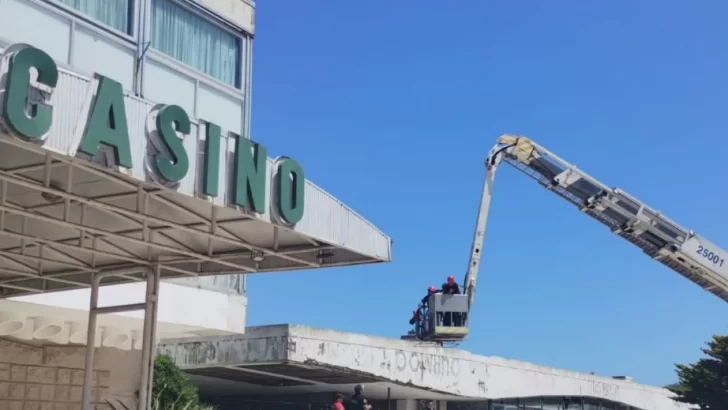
[
  {"x": 293, "y": 358},
  {"x": 72, "y": 205}
]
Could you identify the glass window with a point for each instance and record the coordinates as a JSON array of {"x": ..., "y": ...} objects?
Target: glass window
[
  {"x": 572, "y": 403},
  {"x": 552, "y": 403},
  {"x": 533, "y": 403},
  {"x": 113, "y": 13},
  {"x": 505, "y": 405},
  {"x": 187, "y": 37},
  {"x": 510, "y": 404},
  {"x": 592, "y": 404}
]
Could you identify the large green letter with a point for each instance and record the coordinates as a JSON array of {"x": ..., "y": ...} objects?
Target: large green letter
[
  {"x": 211, "y": 175},
  {"x": 291, "y": 182},
  {"x": 251, "y": 162},
  {"x": 107, "y": 123},
  {"x": 16, "y": 93},
  {"x": 171, "y": 118}
]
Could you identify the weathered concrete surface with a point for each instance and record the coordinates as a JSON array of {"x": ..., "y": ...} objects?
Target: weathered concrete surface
[
  {"x": 51, "y": 377},
  {"x": 265, "y": 344},
  {"x": 440, "y": 369}
]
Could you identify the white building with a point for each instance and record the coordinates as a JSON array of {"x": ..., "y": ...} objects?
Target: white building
[{"x": 125, "y": 155}]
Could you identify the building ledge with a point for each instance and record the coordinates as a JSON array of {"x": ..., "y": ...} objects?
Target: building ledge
[{"x": 403, "y": 363}]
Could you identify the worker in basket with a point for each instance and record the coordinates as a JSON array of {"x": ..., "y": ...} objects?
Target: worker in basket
[
  {"x": 451, "y": 288},
  {"x": 423, "y": 304}
]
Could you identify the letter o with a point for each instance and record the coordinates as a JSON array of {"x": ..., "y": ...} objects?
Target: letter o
[
  {"x": 290, "y": 185},
  {"x": 400, "y": 359},
  {"x": 455, "y": 367},
  {"x": 414, "y": 366}
]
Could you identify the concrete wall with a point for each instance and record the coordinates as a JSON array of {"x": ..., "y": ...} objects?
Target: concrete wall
[
  {"x": 411, "y": 364},
  {"x": 222, "y": 311},
  {"x": 73, "y": 39},
  {"x": 50, "y": 378},
  {"x": 461, "y": 372}
]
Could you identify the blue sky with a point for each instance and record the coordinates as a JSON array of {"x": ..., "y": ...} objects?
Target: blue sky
[{"x": 392, "y": 107}]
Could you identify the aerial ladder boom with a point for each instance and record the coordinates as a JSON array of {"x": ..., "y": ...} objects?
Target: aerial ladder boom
[
  {"x": 471, "y": 274},
  {"x": 663, "y": 240},
  {"x": 676, "y": 247}
]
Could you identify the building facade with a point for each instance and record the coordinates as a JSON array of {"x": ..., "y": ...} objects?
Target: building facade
[
  {"x": 91, "y": 186},
  {"x": 194, "y": 54}
]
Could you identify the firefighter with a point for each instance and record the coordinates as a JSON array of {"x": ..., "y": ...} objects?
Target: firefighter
[
  {"x": 451, "y": 288},
  {"x": 358, "y": 401},
  {"x": 423, "y": 304},
  {"x": 430, "y": 291}
]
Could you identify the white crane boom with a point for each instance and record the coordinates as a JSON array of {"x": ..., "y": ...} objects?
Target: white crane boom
[{"x": 676, "y": 247}]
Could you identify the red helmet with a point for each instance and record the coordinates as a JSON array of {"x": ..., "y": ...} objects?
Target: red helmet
[
  {"x": 451, "y": 279},
  {"x": 431, "y": 289}
]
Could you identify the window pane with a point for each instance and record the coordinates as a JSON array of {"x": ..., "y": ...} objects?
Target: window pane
[
  {"x": 510, "y": 404},
  {"x": 592, "y": 404},
  {"x": 552, "y": 403},
  {"x": 531, "y": 404},
  {"x": 114, "y": 13},
  {"x": 187, "y": 37}
]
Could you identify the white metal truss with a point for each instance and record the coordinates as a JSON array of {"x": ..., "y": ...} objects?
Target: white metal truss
[{"x": 63, "y": 219}]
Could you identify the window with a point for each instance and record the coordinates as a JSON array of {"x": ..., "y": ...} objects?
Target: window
[
  {"x": 187, "y": 37},
  {"x": 552, "y": 403},
  {"x": 533, "y": 403},
  {"x": 113, "y": 13},
  {"x": 592, "y": 404}
]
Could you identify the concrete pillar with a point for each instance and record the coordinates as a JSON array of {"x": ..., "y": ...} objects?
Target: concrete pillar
[{"x": 441, "y": 404}]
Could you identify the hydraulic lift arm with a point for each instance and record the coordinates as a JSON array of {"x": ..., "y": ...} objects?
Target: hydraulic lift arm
[{"x": 676, "y": 247}]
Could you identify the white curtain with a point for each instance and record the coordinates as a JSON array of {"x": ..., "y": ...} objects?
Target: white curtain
[
  {"x": 187, "y": 37},
  {"x": 114, "y": 13}
]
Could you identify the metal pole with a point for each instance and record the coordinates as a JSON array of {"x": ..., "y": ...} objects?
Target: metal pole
[
  {"x": 146, "y": 333},
  {"x": 389, "y": 398},
  {"x": 153, "y": 336},
  {"x": 93, "y": 312},
  {"x": 90, "y": 343},
  {"x": 148, "y": 339}
]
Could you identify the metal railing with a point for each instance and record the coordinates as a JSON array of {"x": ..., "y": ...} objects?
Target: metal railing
[{"x": 230, "y": 284}]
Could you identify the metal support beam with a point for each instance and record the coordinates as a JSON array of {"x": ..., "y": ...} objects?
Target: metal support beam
[
  {"x": 116, "y": 211},
  {"x": 94, "y": 311},
  {"x": 149, "y": 338},
  {"x": 107, "y": 310}
]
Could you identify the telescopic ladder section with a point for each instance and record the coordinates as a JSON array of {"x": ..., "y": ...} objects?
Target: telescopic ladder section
[{"x": 676, "y": 247}]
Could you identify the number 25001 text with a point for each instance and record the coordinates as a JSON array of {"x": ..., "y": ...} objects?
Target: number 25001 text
[{"x": 710, "y": 255}]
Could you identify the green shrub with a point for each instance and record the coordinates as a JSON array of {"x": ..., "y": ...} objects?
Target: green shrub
[{"x": 172, "y": 389}]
